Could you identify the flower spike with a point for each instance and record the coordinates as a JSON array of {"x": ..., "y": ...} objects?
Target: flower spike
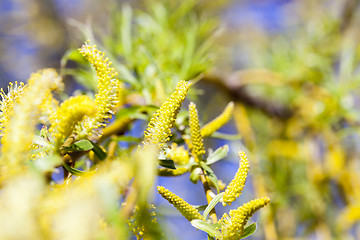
[
  {"x": 70, "y": 112},
  {"x": 232, "y": 228},
  {"x": 7, "y": 103},
  {"x": 236, "y": 186},
  {"x": 159, "y": 128},
  {"x": 218, "y": 122},
  {"x": 188, "y": 211},
  {"x": 20, "y": 129},
  {"x": 109, "y": 88},
  {"x": 196, "y": 139},
  {"x": 178, "y": 154}
]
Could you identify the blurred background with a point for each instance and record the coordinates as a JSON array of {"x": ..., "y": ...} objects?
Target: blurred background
[{"x": 292, "y": 69}]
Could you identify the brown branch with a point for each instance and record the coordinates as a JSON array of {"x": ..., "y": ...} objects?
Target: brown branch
[
  {"x": 348, "y": 14},
  {"x": 236, "y": 87}
]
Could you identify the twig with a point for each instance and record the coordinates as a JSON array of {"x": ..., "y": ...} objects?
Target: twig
[{"x": 208, "y": 194}]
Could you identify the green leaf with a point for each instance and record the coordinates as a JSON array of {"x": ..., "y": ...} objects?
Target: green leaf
[
  {"x": 81, "y": 145},
  {"x": 84, "y": 145},
  {"x": 42, "y": 142},
  {"x": 218, "y": 154},
  {"x": 126, "y": 31},
  {"x": 210, "y": 174},
  {"x": 206, "y": 227},
  {"x": 200, "y": 207},
  {"x": 98, "y": 151},
  {"x": 217, "y": 225},
  {"x": 47, "y": 163},
  {"x": 75, "y": 171},
  {"x": 230, "y": 137},
  {"x": 195, "y": 175},
  {"x": 72, "y": 54},
  {"x": 126, "y": 139},
  {"x": 167, "y": 164},
  {"x": 248, "y": 230},
  {"x": 136, "y": 112},
  {"x": 212, "y": 204}
]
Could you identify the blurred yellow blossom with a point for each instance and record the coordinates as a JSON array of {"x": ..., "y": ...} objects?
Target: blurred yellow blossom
[
  {"x": 218, "y": 122},
  {"x": 70, "y": 112},
  {"x": 159, "y": 128}
]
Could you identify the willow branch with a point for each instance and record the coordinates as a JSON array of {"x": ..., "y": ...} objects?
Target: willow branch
[
  {"x": 208, "y": 194},
  {"x": 235, "y": 85}
]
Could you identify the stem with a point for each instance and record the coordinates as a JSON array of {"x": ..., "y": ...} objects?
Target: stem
[
  {"x": 117, "y": 128},
  {"x": 208, "y": 193},
  {"x": 112, "y": 149},
  {"x": 67, "y": 175},
  {"x": 130, "y": 203}
]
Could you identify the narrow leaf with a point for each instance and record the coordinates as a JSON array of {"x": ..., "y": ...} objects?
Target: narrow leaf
[
  {"x": 82, "y": 145},
  {"x": 42, "y": 142},
  {"x": 98, "y": 151},
  {"x": 167, "y": 164},
  {"x": 218, "y": 154},
  {"x": 211, "y": 175},
  {"x": 200, "y": 207},
  {"x": 217, "y": 225},
  {"x": 206, "y": 227},
  {"x": 195, "y": 175},
  {"x": 126, "y": 139},
  {"x": 230, "y": 137},
  {"x": 248, "y": 230},
  {"x": 75, "y": 171},
  {"x": 47, "y": 163},
  {"x": 212, "y": 204},
  {"x": 136, "y": 112}
]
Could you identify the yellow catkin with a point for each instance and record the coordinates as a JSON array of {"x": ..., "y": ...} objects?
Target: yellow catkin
[
  {"x": 196, "y": 139},
  {"x": 70, "y": 112},
  {"x": 236, "y": 186},
  {"x": 20, "y": 129},
  {"x": 159, "y": 128},
  {"x": 47, "y": 108},
  {"x": 135, "y": 222},
  {"x": 8, "y": 100},
  {"x": 218, "y": 122},
  {"x": 233, "y": 227},
  {"x": 172, "y": 172},
  {"x": 109, "y": 88},
  {"x": 188, "y": 211},
  {"x": 178, "y": 154}
]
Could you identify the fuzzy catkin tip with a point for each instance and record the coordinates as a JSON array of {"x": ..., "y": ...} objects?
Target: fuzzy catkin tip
[
  {"x": 109, "y": 87},
  {"x": 188, "y": 211},
  {"x": 218, "y": 122},
  {"x": 8, "y": 100},
  {"x": 236, "y": 186},
  {"x": 159, "y": 128},
  {"x": 70, "y": 112},
  {"x": 178, "y": 154},
  {"x": 233, "y": 227}
]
